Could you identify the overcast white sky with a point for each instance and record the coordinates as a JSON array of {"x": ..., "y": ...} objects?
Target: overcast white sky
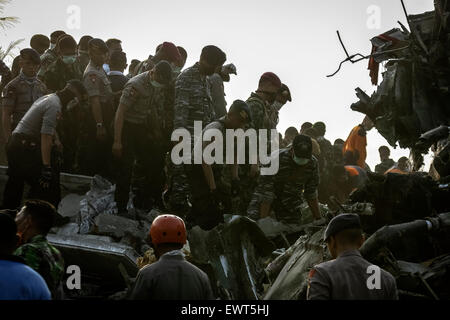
[{"x": 295, "y": 39}]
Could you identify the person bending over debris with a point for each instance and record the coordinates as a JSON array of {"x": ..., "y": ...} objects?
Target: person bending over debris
[
  {"x": 349, "y": 276},
  {"x": 402, "y": 167},
  {"x": 17, "y": 280},
  {"x": 356, "y": 143},
  {"x": 298, "y": 170},
  {"x": 34, "y": 222},
  {"x": 171, "y": 277}
]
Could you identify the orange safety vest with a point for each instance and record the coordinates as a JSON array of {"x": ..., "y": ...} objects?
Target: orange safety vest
[{"x": 356, "y": 142}]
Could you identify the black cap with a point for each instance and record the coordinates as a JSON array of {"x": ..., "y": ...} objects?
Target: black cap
[
  {"x": 286, "y": 92},
  {"x": 98, "y": 44},
  {"x": 241, "y": 107},
  {"x": 30, "y": 54},
  {"x": 213, "y": 55},
  {"x": 342, "y": 222},
  {"x": 302, "y": 146},
  {"x": 164, "y": 72}
]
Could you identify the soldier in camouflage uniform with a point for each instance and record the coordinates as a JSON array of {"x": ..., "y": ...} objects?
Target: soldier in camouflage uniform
[
  {"x": 298, "y": 174},
  {"x": 141, "y": 137},
  {"x": 51, "y": 54},
  {"x": 34, "y": 221},
  {"x": 96, "y": 129},
  {"x": 66, "y": 67},
  {"x": 211, "y": 194},
  {"x": 192, "y": 103},
  {"x": 260, "y": 103},
  {"x": 22, "y": 91}
]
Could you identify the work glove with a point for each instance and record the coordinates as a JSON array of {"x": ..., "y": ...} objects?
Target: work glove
[
  {"x": 46, "y": 177},
  {"x": 235, "y": 187}
]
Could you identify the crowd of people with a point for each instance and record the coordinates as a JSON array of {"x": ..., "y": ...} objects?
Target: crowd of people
[{"x": 69, "y": 107}]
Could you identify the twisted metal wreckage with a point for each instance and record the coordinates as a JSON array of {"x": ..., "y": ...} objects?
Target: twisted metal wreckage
[{"x": 406, "y": 217}]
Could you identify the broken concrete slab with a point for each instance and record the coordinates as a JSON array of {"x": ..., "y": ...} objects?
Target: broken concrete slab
[
  {"x": 70, "y": 205},
  {"x": 68, "y": 229},
  {"x": 98, "y": 259},
  {"x": 115, "y": 226}
]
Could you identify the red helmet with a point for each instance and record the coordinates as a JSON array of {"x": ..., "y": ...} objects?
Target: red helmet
[{"x": 168, "y": 228}]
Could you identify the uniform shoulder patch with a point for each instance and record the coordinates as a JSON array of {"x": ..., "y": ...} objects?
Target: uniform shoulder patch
[{"x": 312, "y": 272}]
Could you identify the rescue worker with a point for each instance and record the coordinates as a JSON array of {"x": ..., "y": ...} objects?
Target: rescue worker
[
  {"x": 298, "y": 174},
  {"x": 346, "y": 179},
  {"x": 211, "y": 196},
  {"x": 402, "y": 167},
  {"x": 356, "y": 143},
  {"x": 113, "y": 45},
  {"x": 305, "y": 126},
  {"x": 139, "y": 138},
  {"x": 216, "y": 81},
  {"x": 346, "y": 277},
  {"x": 165, "y": 51},
  {"x": 34, "y": 222},
  {"x": 259, "y": 103},
  {"x": 96, "y": 132},
  {"x": 312, "y": 133},
  {"x": 40, "y": 43},
  {"x": 171, "y": 277},
  {"x": 386, "y": 162},
  {"x": 83, "y": 54},
  {"x": 117, "y": 65},
  {"x": 192, "y": 103},
  {"x": 17, "y": 280},
  {"x": 289, "y": 136},
  {"x": 283, "y": 96},
  {"x": 325, "y": 161},
  {"x": 33, "y": 150},
  {"x": 132, "y": 67},
  {"x": 51, "y": 54},
  {"x": 22, "y": 91},
  {"x": 67, "y": 67}
]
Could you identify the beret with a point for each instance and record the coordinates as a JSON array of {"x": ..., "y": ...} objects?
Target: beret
[
  {"x": 342, "y": 222},
  {"x": 272, "y": 78}
]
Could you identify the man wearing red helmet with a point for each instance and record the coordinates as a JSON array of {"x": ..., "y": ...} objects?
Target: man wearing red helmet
[{"x": 171, "y": 277}]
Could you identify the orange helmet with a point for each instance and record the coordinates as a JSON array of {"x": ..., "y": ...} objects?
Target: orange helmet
[{"x": 168, "y": 228}]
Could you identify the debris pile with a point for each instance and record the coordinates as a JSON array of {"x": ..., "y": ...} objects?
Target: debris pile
[{"x": 413, "y": 96}]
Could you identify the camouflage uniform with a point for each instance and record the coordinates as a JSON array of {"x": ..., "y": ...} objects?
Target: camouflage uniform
[
  {"x": 260, "y": 120},
  {"x": 384, "y": 166},
  {"x": 207, "y": 212},
  {"x": 20, "y": 94},
  {"x": 145, "y": 140},
  {"x": 46, "y": 260},
  {"x": 284, "y": 190},
  {"x": 95, "y": 156},
  {"x": 192, "y": 103},
  {"x": 56, "y": 77},
  {"x": 47, "y": 58}
]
